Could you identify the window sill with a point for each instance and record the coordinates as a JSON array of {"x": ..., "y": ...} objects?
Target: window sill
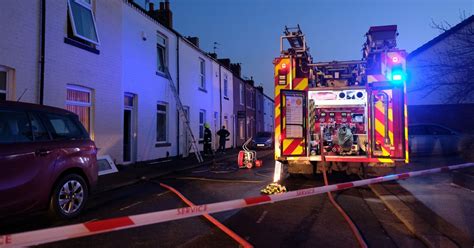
[
  {"x": 81, "y": 45},
  {"x": 203, "y": 90},
  {"x": 226, "y": 98},
  {"x": 162, "y": 144},
  {"x": 161, "y": 74}
]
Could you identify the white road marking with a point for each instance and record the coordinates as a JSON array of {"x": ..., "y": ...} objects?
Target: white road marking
[
  {"x": 261, "y": 217},
  {"x": 160, "y": 194},
  {"x": 127, "y": 207}
]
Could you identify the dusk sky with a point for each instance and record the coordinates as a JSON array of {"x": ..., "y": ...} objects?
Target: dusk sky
[{"x": 248, "y": 31}]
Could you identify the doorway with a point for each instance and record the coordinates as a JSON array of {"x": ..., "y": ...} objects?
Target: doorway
[{"x": 129, "y": 129}]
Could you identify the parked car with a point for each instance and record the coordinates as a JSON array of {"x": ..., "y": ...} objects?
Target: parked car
[
  {"x": 47, "y": 160},
  {"x": 263, "y": 140},
  {"x": 432, "y": 139}
]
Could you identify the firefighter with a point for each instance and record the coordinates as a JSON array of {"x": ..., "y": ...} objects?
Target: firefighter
[
  {"x": 223, "y": 134},
  {"x": 207, "y": 140}
]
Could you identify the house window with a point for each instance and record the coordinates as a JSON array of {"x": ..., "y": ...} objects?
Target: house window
[
  {"x": 161, "y": 122},
  {"x": 225, "y": 86},
  {"x": 202, "y": 120},
  {"x": 242, "y": 129},
  {"x": 79, "y": 101},
  {"x": 202, "y": 66},
  {"x": 241, "y": 90},
  {"x": 82, "y": 21},
  {"x": 161, "y": 54},
  {"x": 3, "y": 85}
]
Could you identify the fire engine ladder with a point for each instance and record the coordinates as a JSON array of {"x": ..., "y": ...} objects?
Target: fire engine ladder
[{"x": 182, "y": 114}]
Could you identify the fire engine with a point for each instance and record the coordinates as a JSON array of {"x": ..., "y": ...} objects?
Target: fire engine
[{"x": 346, "y": 115}]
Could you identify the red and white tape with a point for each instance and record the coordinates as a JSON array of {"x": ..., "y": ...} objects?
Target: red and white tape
[{"x": 102, "y": 226}]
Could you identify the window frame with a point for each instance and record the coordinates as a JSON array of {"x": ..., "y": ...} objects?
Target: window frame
[
  {"x": 201, "y": 125},
  {"x": 226, "y": 86},
  {"x": 166, "y": 112},
  {"x": 202, "y": 73},
  {"x": 242, "y": 94},
  {"x": 164, "y": 47},
  {"x": 73, "y": 24},
  {"x": 90, "y": 105}
]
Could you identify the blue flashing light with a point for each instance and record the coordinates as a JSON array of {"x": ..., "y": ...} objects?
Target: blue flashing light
[{"x": 397, "y": 77}]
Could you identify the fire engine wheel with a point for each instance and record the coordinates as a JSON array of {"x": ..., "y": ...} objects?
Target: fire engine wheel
[{"x": 240, "y": 158}]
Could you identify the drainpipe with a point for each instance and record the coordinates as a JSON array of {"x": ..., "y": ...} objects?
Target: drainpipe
[
  {"x": 177, "y": 88},
  {"x": 220, "y": 98},
  {"x": 42, "y": 51}
]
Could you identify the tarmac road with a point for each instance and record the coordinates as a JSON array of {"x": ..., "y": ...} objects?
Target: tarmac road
[{"x": 305, "y": 222}]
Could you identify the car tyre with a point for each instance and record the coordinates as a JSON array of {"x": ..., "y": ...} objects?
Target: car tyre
[{"x": 69, "y": 197}]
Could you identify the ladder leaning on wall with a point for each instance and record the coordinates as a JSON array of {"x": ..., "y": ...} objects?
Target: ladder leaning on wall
[{"x": 183, "y": 116}]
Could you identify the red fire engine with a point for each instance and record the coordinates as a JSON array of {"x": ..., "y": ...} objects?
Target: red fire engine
[{"x": 345, "y": 115}]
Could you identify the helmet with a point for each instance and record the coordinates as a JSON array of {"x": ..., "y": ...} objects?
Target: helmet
[{"x": 206, "y": 125}]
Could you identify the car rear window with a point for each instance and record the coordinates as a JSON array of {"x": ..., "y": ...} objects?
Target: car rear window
[
  {"x": 65, "y": 127},
  {"x": 14, "y": 127}
]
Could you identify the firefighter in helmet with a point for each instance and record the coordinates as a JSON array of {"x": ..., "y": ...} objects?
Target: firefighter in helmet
[{"x": 207, "y": 140}]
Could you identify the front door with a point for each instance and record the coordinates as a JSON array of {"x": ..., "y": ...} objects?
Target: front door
[{"x": 129, "y": 130}]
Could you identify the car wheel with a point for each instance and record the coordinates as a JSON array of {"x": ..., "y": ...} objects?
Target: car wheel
[{"x": 69, "y": 197}]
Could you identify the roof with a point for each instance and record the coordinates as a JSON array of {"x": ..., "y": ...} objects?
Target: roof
[{"x": 441, "y": 37}]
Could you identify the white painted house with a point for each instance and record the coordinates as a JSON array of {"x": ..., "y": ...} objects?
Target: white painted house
[
  {"x": 268, "y": 116},
  {"x": 108, "y": 66}
]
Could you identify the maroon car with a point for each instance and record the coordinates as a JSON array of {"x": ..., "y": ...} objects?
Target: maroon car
[{"x": 47, "y": 160}]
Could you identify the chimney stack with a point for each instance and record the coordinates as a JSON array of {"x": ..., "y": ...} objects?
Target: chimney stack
[
  {"x": 236, "y": 69},
  {"x": 163, "y": 15},
  {"x": 225, "y": 62},
  {"x": 194, "y": 40}
]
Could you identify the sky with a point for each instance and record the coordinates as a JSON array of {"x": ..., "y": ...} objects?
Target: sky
[{"x": 248, "y": 31}]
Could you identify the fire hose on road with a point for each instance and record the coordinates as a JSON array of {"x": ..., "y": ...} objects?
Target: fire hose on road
[{"x": 48, "y": 235}]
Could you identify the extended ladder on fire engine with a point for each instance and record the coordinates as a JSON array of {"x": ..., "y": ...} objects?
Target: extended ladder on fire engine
[{"x": 182, "y": 114}]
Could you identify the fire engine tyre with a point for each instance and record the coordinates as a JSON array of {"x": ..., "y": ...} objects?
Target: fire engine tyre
[
  {"x": 240, "y": 158},
  {"x": 69, "y": 197}
]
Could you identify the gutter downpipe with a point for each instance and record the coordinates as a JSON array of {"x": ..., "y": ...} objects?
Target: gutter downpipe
[
  {"x": 220, "y": 97},
  {"x": 42, "y": 50},
  {"x": 177, "y": 88}
]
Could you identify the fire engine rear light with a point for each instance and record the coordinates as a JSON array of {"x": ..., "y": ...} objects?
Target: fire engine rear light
[
  {"x": 283, "y": 66},
  {"x": 395, "y": 59}
]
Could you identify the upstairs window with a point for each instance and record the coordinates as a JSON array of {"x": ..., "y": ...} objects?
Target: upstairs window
[
  {"x": 82, "y": 21},
  {"x": 202, "y": 70},
  {"x": 225, "y": 86},
  {"x": 241, "y": 90},
  {"x": 161, "y": 54}
]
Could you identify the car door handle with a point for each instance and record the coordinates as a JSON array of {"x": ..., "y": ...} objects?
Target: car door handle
[{"x": 42, "y": 152}]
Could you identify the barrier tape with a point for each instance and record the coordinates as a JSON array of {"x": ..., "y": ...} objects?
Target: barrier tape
[{"x": 102, "y": 226}]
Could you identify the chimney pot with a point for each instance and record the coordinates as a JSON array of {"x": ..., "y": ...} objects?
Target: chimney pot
[
  {"x": 152, "y": 7},
  {"x": 162, "y": 5}
]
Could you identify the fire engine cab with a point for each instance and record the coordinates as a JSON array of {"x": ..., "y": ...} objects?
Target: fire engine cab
[{"x": 345, "y": 115}]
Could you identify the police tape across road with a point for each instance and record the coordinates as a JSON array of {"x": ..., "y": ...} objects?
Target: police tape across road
[{"x": 102, "y": 226}]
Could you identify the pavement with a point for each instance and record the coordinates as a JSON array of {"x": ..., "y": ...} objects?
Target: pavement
[
  {"x": 434, "y": 209},
  {"x": 134, "y": 173}
]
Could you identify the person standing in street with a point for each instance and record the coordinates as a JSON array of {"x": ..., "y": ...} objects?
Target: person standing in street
[
  {"x": 223, "y": 134},
  {"x": 207, "y": 140}
]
